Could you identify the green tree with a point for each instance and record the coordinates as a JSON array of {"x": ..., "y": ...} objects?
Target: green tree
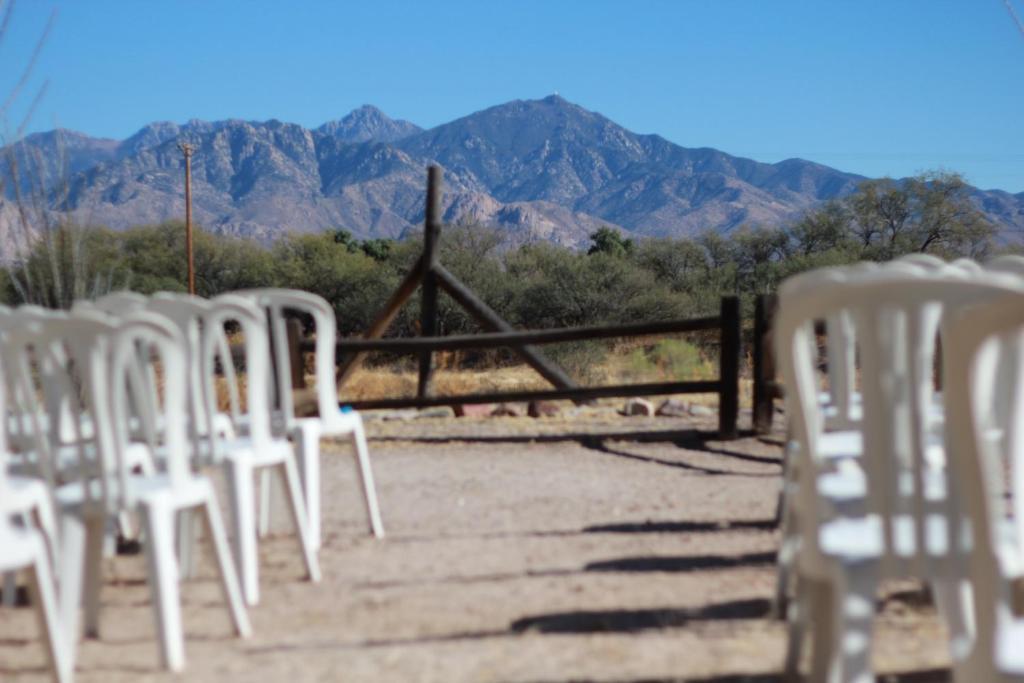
[
  {"x": 346, "y": 239},
  {"x": 678, "y": 263},
  {"x": 608, "y": 241},
  {"x": 354, "y": 284},
  {"x": 824, "y": 229},
  {"x": 931, "y": 212},
  {"x": 378, "y": 249}
]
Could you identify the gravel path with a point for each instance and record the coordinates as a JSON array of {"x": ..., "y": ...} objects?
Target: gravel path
[{"x": 513, "y": 562}]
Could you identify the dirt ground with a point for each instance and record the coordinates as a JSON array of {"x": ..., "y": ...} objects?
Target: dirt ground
[{"x": 511, "y": 560}]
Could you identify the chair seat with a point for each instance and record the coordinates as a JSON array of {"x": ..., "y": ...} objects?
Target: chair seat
[
  {"x": 849, "y": 444},
  {"x": 69, "y": 460},
  {"x": 854, "y": 540},
  {"x": 25, "y": 493},
  {"x": 22, "y": 547},
  {"x": 244, "y": 448},
  {"x": 147, "y": 490},
  {"x": 850, "y": 481},
  {"x": 339, "y": 423},
  {"x": 839, "y": 445}
]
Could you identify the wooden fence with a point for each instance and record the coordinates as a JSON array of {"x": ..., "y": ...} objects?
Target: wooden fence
[
  {"x": 726, "y": 385},
  {"x": 430, "y": 276}
]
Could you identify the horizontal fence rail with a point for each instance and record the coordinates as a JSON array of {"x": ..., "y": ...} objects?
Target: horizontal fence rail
[
  {"x": 575, "y": 394},
  {"x": 488, "y": 340}
]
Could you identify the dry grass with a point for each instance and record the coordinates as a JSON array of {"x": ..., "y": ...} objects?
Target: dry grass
[
  {"x": 394, "y": 382},
  {"x": 374, "y": 383}
]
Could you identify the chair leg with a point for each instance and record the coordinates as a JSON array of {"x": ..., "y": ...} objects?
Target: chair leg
[
  {"x": 289, "y": 472},
  {"x": 243, "y": 507},
  {"x": 95, "y": 537},
  {"x": 44, "y": 600},
  {"x": 187, "y": 544},
  {"x": 853, "y": 615},
  {"x": 366, "y": 474},
  {"x": 126, "y": 528},
  {"x": 787, "y": 557},
  {"x": 163, "y": 581},
  {"x": 796, "y": 618},
  {"x": 72, "y": 572},
  {"x": 953, "y": 598},
  {"x": 821, "y": 606},
  {"x": 9, "y": 589},
  {"x": 267, "y": 500},
  {"x": 46, "y": 521},
  {"x": 81, "y": 573},
  {"x": 273, "y": 515},
  {"x": 228, "y": 574},
  {"x": 307, "y": 452}
]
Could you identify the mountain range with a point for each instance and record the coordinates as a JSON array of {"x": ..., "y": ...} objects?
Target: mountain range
[{"x": 539, "y": 169}]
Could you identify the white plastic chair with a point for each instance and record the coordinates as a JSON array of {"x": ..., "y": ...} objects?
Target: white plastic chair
[
  {"x": 103, "y": 351},
  {"x": 993, "y": 650},
  {"x": 841, "y": 444},
  {"x": 258, "y": 449},
  {"x": 306, "y": 432},
  {"x": 27, "y": 497},
  {"x": 841, "y": 559},
  {"x": 23, "y": 548}
]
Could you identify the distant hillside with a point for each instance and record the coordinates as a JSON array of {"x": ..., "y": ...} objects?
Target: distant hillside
[{"x": 540, "y": 169}]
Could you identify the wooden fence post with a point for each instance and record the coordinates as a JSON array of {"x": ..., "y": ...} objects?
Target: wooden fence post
[
  {"x": 764, "y": 363},
  {"x": 729, "y": 368},
  {"x": 428, "y": 305}
]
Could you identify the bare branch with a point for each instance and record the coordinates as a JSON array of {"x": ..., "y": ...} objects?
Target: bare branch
[
  {"x": 1013, "y": 15},
  {"x": 30, "y": 67},
  {"x": 6, "y": 21}
]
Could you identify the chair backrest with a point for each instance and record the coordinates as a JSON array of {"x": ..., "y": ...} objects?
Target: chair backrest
[
  {"x": 5, "y": 519},
  {"x": 53, "y": 372},
  {"x": 276, "y": 303},
  {"x": 896, "y": 314},
  {"x": 143, "y": 380},
  {"x": 840, "y": 341},
  {"x": 923, "y": 260},
  {"x": 155, "y": 338},
  {"x": 15, "y": 426},
  {"x": 1010, "y": 353},
  {"x": 189, "y": 313},
  {"x": 1007, "y": 263},
  {"x": 63, "y": 355},
  {"x": 975, "y": 461},
  {"x": 121, "y": 302},
  {"x": 232, "y": 309},
  {"x": 42, "y": 387}
]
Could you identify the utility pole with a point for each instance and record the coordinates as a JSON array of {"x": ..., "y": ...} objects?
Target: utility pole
[{"x": 186, "y": 149}]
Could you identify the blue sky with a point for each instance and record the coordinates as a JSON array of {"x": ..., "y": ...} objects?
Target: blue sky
[{"x": 878, "y": 87}]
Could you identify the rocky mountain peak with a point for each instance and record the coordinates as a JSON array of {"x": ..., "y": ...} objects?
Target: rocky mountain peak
[{"x": 368, "y": 124}]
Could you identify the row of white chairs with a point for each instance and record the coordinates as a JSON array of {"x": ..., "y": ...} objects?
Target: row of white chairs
[
  {"x": 112, "y": 417},
  {"x": 889, "y": 475}
]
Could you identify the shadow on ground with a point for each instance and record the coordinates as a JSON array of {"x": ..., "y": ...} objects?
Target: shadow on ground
[
  {"x": 628, "y": 621},
  {"x": 696, "y": 444},
  {"x": 926, "y": 676}
]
